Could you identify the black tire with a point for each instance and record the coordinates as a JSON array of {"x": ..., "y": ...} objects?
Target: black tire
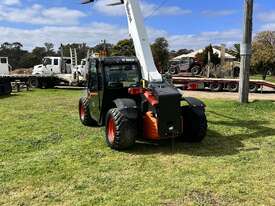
[
  {"x": 33, "y": 82},
  {"x": 194, "y": 124},
  {"x": 236, "y": 72},
  {"x": 196, "y": 70},
  {"x": 84, "y": 113},
  {"x": 121, "y": 132},
  {"x": 173, "y": 70},
  {"x": 5, "y": 88},
  {"x": 233, "y": 87},
  {"x": 253, "y": 87},
  {"x": 216, "y": 87}
]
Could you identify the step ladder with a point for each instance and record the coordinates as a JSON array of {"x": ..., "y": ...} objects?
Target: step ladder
[{"x": 73, "y": 55}]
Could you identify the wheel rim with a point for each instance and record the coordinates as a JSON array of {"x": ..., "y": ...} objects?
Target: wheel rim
[
  {"x": 111, "y": 130},
  {"x": 233, "y": 87},
  {"x": 215, "y": 86},
  {"x": 252, "y": 87},
  {"x": 195, "y": 70},
  {"x": 82, "y": 112}
]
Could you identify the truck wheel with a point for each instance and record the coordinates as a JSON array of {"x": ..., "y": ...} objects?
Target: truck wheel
[
  {"x": 173, "y": 70},
  {"x": 216, "y": 87},
  {"x": 121, "y": 133},
  {"x": 253, "y": 88},
  {"x": 6, "y": 88},
  {"x": 233, "y": 87},
  {"x": 194, "y": 124},
  {"x": 196, "y": 70},
  {"x": 84, "y": 113}
]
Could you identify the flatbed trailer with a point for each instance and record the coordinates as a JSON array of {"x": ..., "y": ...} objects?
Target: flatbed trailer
[
  {"x": 217, "y": 84},
  {"x": 28, "y": 80}
]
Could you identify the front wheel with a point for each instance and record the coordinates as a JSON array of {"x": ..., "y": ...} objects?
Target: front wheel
[
  {"x": 121, "y": 132},
  {"x": 84, "y": 113},
  {"x": 194, "y": 124}
]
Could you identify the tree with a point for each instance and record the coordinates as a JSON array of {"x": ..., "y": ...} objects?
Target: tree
[
  {"x": 161, "y": 53},
  {"x": 203, "y": 57},
  {"x": 14, "y": 52},
  {"x": 49, "y": 47},
  {"x": 29, "y": 60},
  {"x": 39, "y": 53},
  {"x": 103, "y": 47},
  {"x": 124, "y": 47},
  {"x": 263, "y": 51},
  {"x": 236, "y": 51}
]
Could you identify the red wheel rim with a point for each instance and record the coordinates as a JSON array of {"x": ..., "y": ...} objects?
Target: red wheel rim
[
  {"x": 111, "y": 130},
  {"x": 82, "y": 112}
]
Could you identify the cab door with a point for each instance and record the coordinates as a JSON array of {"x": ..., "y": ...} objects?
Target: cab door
[{"x": 94, "y": 89}]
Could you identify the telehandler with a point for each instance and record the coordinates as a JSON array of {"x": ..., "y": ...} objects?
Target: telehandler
[{"x": 129, "y": 96}]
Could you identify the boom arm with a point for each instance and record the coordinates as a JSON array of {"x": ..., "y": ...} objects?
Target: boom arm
[
  {"x": 141, "y": 42},
  {"x": 140, "y": 38}
]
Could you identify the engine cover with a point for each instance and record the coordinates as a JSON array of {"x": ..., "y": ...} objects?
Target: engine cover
[{"x": 168, "y": 110}]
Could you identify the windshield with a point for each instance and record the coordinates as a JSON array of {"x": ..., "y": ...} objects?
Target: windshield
[
  {"x": 126, "y": 75},
  {"x": 47, "y": 61}
]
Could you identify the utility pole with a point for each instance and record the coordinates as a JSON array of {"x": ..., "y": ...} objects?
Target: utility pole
[{"x": 246, "y": 52}]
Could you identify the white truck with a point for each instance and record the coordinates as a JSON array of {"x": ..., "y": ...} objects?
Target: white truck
[
  {"x": 53, "y": 65},
  {"x": 4, "y": 65},
  {"x": 62, "y": 68}
]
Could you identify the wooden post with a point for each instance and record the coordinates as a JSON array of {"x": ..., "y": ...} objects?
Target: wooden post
[
  {"x": 246, "y": 52},
  {"x": 222, "y": 55}
]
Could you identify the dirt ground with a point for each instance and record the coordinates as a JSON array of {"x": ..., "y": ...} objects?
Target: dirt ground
[{"x": 228, "y": 95}]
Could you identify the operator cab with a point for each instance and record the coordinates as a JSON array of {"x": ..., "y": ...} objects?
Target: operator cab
[{"x": 109, "y": 78}]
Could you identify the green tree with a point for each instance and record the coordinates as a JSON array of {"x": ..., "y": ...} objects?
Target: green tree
[
  {"x": 124, "y": 47},
  {"x": 14, "y": 52},
  {"x": 203, "y": 57},
  {"x": 161, "y": 53},
  {"x": 103, "y": 47},
  {"x": 29, "y": 60},
  {"x": 263, "y": 47},
  {"x": 236, "y": 51},
  {"x": 49, "y": 47}
]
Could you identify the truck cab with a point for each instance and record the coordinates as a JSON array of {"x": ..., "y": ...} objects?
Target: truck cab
[
  {"x": 53, "y": 65},
  {"x": 4, "y": 66}
]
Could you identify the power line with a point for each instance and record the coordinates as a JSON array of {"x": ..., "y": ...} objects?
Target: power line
[{"x": 156, "y": 9}]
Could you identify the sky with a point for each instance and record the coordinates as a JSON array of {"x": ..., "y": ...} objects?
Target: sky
[{"x": 188, "y": 24}]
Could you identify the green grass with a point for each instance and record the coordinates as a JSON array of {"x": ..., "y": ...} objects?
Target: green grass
[
  {"x": 260, "y": 77},
  {"x": 48, "y": 158}
]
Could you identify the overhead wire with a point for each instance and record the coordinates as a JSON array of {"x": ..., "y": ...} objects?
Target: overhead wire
[{"x": 156, "y": 9}]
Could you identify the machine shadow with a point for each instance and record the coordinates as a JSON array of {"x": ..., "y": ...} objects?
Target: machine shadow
[
  {"x": 9, "y": 96},
  {"x": 215, "y": 143}
]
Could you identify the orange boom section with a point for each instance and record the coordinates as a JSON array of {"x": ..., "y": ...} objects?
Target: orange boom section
[{"x": 150, "y": 126}]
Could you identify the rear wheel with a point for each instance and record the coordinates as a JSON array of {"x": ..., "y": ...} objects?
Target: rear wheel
[
  {"x": 233, "y": 87},
  {"x": 196, "y": 70},
  {"x": 121, "y": 132},
  {"x": 84, "y": 113},
  {"x": 253, "y": 87},
  {"x": 194, "y": 124},
  {"x": 216, "y": 87},
  {"x": 173, "y": 70}
]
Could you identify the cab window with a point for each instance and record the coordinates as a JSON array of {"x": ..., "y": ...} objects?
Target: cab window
[
  {"x": 93, "y": 81},
  {"x": 3, "y": 61},
  {"x": 55, "y": 62}
]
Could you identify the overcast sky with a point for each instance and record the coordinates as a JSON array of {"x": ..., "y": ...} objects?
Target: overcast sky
[{"x": 185, "y": 23}]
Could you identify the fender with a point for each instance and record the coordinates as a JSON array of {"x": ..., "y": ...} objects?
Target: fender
[
  {"x": 127, "y": 107},
  {"x": 194, "y": 102}
]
